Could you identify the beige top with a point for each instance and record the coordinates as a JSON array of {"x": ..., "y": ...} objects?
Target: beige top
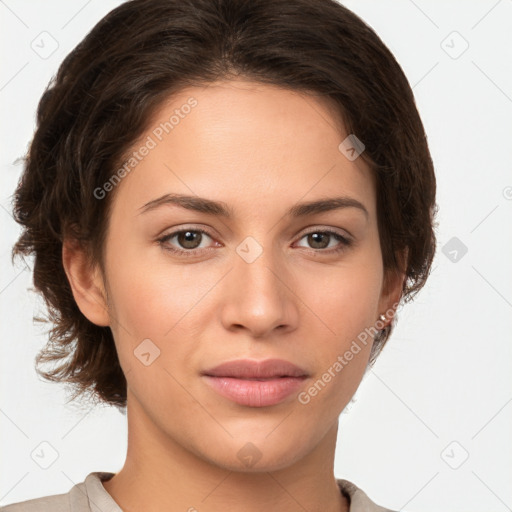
[{"x": 91, "y": 496}]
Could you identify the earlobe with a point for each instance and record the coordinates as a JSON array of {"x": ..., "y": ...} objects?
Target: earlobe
[{"x": 86, "y": 283}]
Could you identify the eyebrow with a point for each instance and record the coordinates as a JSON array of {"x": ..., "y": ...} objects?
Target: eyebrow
[{"x": 221, "y": 209}]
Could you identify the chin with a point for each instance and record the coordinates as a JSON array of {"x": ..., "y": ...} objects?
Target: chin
[{"x": 253, "y": 454}]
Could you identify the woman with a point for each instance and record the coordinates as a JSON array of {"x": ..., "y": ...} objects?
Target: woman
[{"x": 227, "y": 201}]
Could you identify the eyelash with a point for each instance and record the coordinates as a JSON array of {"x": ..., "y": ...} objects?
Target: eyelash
[{"x": 345, "y": 242}]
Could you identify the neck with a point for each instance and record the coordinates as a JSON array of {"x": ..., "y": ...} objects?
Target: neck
[{"x": 160, "y": 473}]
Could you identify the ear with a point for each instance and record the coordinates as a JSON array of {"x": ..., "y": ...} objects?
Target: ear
[
  {"x": 392, "y": 288},
  {"x": 86, "y": 283}
]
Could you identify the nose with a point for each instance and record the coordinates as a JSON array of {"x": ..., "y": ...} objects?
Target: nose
[{"x": 259, "y": 296}]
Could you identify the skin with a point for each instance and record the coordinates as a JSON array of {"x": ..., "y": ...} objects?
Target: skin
[{"x": 260, "y": 149}]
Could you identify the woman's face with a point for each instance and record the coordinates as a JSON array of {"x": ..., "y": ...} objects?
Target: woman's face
[{"x": 261, "y": 283}]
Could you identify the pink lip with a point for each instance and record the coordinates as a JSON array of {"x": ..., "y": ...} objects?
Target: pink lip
[
  {"x": 256, "y": 383},
  {"x": 255, "y": 393},
  {"x": 250, "y": 369}
]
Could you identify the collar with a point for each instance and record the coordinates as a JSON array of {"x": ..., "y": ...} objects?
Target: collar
[{"x": 101, "y": 501}]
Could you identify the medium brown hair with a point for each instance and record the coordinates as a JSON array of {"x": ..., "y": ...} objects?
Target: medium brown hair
[{"x": 144, "y": 51}]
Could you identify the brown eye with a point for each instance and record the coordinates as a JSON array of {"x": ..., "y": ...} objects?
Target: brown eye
[
  {"x": 189, "y": 239},
  {"x": 185, "y": 241},
  {"x": 318, "y": 240},
  {"x": 322, "y": 241}
]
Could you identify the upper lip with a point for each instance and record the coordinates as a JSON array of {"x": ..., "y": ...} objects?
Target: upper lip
[{"x": 250, "y": 369}]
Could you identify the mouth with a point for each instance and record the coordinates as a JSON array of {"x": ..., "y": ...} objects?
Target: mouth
[
  {"x": 248, "y": 369},
  {"x": 256, "y": 383},
  {"x": 274, "y": 377},
  {"x": 256, "y": 392}
]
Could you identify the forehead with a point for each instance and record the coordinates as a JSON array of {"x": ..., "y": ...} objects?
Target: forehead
[{"x": 241, "y": 142}]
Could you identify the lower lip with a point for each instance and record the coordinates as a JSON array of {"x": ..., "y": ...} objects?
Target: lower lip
[{"x": 255, "y": 393}]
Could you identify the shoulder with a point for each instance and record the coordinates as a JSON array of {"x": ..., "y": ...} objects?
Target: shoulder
[
  {"x": 78, "y": 499},
  {"x": 56, "y": 503},
  {"x": 359, "y": 501}
]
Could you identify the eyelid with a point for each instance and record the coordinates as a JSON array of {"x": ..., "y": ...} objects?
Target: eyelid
[
  {"x": 162, "y": 239},
  {"x": 329, "y": 229},
  {"x": 345, "y": 240},
  {"x": 310, "y": 229}
]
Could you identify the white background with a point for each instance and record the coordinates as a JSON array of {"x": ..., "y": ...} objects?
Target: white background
[{"x": 441, "y": 389}]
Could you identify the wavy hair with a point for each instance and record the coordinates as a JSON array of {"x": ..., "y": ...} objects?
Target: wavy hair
[{"x": 141, "y": 53}]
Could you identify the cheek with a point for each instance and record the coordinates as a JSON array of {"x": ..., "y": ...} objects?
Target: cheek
[
  {"x": 149, "y": 293},
  {"x": 161, "y": 302},
  {"x": 137, "y": 298},
  {"x": 346, "y": 299},
  {"x": 347, "y": 309}
]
